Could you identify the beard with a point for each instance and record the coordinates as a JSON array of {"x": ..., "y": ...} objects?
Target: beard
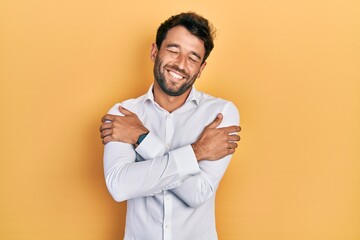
[{"x": 166, "y": 86}]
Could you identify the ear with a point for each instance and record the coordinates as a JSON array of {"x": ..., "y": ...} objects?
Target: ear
[
  {"x": 201, "y": 69},
  {"x": 153, "y": 52}
]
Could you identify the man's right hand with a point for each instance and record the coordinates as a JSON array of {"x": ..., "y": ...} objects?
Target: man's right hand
[
  {"x": 126, "y": 128},
  {"x": 215, "y": 143}
]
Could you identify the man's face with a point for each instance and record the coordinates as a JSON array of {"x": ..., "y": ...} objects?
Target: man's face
[{"x": 178, "y": 62}]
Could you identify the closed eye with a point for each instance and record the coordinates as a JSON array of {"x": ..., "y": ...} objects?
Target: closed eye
[
  {"x": 194, "y": 59},
  {"x": 173, "y": 48},
  {"x": 172, "y": 51}
]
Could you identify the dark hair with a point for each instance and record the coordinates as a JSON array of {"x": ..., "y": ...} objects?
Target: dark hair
[{"x": 195, "y": 24}]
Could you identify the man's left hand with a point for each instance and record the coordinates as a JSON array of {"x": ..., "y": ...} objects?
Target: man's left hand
[{"x": 126, "y": 129}]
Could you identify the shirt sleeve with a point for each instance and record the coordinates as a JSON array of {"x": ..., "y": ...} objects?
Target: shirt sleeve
[
  {"x": 127, "y": 178},
  {"x": 197, "y": 189}
]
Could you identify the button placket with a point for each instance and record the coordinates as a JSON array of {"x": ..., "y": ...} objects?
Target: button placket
[
  {"x": 169, "y": 130},
  {"x": 167, "y": 215}
]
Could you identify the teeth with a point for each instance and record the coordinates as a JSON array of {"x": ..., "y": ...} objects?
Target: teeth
[{"x": 177, "y": 76}]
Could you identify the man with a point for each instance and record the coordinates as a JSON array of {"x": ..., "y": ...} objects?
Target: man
[{"x": 166, "y": 151}]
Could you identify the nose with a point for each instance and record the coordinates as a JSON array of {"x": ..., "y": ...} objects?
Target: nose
[{"x": 181, "y": 61}]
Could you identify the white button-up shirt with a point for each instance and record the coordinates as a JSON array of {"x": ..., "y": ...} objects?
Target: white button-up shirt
[{"x": 170, "y": 195}]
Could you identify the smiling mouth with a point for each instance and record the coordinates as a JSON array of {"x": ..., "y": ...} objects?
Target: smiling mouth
[{"x": 175, "y": 75}]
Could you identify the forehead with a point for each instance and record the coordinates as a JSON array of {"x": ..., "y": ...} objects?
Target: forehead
[{"x": 181, "y": 36}]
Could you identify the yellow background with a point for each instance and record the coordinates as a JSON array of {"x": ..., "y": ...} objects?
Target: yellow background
[{"x": 291, "y": 67}]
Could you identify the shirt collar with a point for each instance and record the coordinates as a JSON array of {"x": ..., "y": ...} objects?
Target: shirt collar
[{"x": 194, "y": 95}]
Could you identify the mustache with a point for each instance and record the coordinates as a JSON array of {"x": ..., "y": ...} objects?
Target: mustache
[{"x": 179, "y": 70}]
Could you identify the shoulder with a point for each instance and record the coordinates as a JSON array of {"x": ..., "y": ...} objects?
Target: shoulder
[
  {"x": 219, "y": 105},
  {"x": 133, "y": 104},
  {"x": 206, "y": 101}
]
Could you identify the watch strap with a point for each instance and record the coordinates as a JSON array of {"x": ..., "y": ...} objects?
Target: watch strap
[{"x": 141, "y": 138}]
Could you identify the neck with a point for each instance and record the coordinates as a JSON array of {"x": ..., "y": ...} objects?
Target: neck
[{"x": 169, "y": 103}]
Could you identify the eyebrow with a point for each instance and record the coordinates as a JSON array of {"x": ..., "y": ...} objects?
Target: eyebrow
[{"x": 178, "y": 46}]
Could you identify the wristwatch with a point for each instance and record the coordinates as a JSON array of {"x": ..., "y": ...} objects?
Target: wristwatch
[{"x": 141, "y": 138}]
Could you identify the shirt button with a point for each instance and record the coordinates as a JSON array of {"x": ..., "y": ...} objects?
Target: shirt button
[
  {"x": 168, "y": 146},
  {"x": 167, "y": 225}
]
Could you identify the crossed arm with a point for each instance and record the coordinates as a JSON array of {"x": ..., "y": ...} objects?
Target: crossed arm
[{"x": 176, "y": 170}]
